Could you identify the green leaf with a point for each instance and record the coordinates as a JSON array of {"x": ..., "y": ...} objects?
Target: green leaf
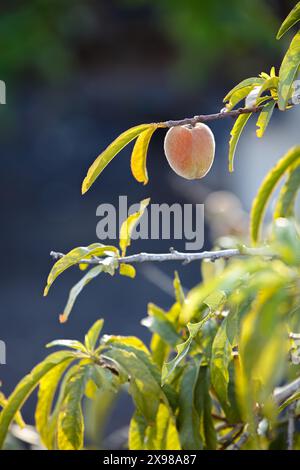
[
  {"x": 109, "y": 153},
  {"x": 124, "y": 341},
  {"x": 93, "y": 334},
  {"x": 47, "y": 388},
  {"x": 70, "y": 425},
  {"x": 157, "y": 322},
  {"x": 183, "y": 348},
  {"x": 26, "y": 386},
  {"x": 267, "y": 188},
  {"x": 203, "y": 406},
  {"x": 221, "y": 356},
  {"x": 215, "y": 300},
  {"x": 68, "y": 343},
  {"x": 143, "y": 387},
  {"x": 247, "y": 83},
  {"x": 188, "y": 421},
  {"x": 286, "y": 200},
  {"x": 286, "y": 241},
  {"x": 288, "y": 71},
  {"x": 137, "y": 432},
  {"x": 238, "y": 96},
  {"x": 163, "y": 435},
  {"x": 129, "y": 224},
  {"x": 139, "y": 154},
  {"x": 292, "y": 18},
  {"x": 179, "y": 293},
  {"x": 235, "y": 135},
  {"x": 262, "y": 349},
  {"x": 18, "y": 417},
  {"x": 74, "y": 257},
  {"x": 108, "y": 265},
  {"x": 269, "y": 84},
  {"x": 264, "y": 118}
]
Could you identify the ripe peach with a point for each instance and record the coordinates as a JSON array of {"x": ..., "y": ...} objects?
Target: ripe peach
[{"x": 189, "y": 150}]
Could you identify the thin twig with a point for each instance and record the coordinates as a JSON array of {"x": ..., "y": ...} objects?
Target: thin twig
[
  {"x": 240, "y": 442},
  {"x": 282, "y": 393},
  {"x": 291, "y": 426},
  {"x": 177, "y": 256},
  {"x": 212, "y": 117}
]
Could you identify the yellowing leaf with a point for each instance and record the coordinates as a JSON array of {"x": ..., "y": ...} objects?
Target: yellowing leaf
[
  {"x": 70, "y": 426},
  {"x": 25, "y": 388},
  {"x": 74, "y": 257},
  {"x": 286, "y": 200},
  {"x": 264, "y": 118},
  {"x": 93, "y": 334},
  {"x": 109, "y": 153},
  {"x": 139, "y": 155},
  {"x": 267, "y": 188},
  {"x": 127, "y": 270},
  {"x": 292, "y": 18},
  {"x": 247, "y": 83},
  {"x": 235, "y": 135},
  {"x": 129, "y": 224},
  {"x": 288, "y": 71},
  {"x": 47, "y": 389},
  {"x": 18, "y": 417}
]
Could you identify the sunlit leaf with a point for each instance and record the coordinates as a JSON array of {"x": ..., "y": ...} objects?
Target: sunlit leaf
[
  {"x": 93, "y": 334},
  {"x": 70, "y": 425},
  {"x": 269, "y": 84},
  {"x": 68, "y": 343},
  {"x": 163, "y": 434},
  {"x": 221, "y": 356},
  {"x": 137, "y": 432},
  {"x": 286, "y": 241},
  {"x": 262, "y": 348},
  {"x": 132, "y": 341},
  {"x": 292, "y": 18},
  {"x": 127, "y": 270},
  {"x": 25, "y": 388},
  {"x": 264, "y": 118},
  {"x": 248, "y": 82},
  {"x": 74, "y": 257},
  {"x": 18, "y": 417},
  {"x": 47, "y": 388},
  {"x": 286, "y": 200},
  {"x": 288, "y": 71},
  {"x": 266, "y": 189},
  {"x": 139, "y": 154},
  {"x": 235, "y": 135},
  {"x": 109, "y": 153},
  {"x": 129, "y": 224},
  {"x": 179, "y": 292},
  {"x": 239, "y": 95}
]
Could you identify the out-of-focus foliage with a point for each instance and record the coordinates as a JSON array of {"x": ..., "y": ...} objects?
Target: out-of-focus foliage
[{"x": 52, "y": 37}]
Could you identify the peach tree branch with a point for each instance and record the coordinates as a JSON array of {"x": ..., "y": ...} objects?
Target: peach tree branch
[
  {"x": 174, "y": 255},
  {"x": 213, "y": 117}
]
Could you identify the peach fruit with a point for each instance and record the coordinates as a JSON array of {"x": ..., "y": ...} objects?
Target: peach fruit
[{"x": 190, "y": 150}]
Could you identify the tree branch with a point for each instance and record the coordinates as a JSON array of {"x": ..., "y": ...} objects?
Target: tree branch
[
  {"x": 212, "y": 117},
  {"x": 282, "y": 393},
  {"x": 174, "y": 255}
]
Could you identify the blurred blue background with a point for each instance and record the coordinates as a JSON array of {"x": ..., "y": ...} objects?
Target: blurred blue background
[{"x": 77, "y": 74}]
